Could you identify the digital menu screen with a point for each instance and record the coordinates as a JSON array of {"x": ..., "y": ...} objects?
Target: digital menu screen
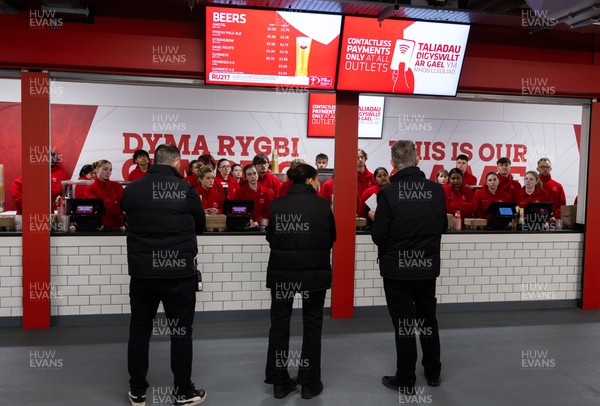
[
  {"x": 321, "y": 115},
  {"x": 401, "y": 56},
  {"x": 271, "y": 48}
]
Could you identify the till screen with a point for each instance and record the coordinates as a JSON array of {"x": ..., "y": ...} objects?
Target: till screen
[
  {"x": 84, "y": 210},
  {"x": 239, "y": 210}
]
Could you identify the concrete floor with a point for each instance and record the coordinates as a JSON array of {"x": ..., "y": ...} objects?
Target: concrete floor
[{"x": 528, "y": 357}]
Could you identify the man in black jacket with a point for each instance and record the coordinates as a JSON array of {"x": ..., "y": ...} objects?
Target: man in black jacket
[
  {"x": 163, "y": 215},
  {"x": 408, "y": 226}
]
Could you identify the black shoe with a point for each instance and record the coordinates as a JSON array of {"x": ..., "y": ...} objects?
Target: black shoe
[
  {"x": 433, "y": 380},
  {"x": 139, "y": 400},
  {"x": 192, "y": 397},
  {"x": 310, "y": 391},
  {"x": 280, "y": 391},
  {"x": 393, "y": 383}
]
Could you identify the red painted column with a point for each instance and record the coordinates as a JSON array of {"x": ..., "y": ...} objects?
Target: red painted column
[
  {"x": 35, "y": 132},
  {"x": 591, "y": 259},
  {"x": 344, "y": 204}
]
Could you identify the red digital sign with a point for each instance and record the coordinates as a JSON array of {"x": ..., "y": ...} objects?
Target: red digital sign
[
  {"x": 271, "y": 48},
  {"x": 321, "y": 115},
  {"x": 401, "y": 56}
]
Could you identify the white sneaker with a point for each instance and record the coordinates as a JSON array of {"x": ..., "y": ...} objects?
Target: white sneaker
[
  {"x": 192, "y": 397},
  {"x": 137, "y": 400}
]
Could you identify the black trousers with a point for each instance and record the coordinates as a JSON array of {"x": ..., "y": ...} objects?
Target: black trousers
[
  {"x": 179, "y": 301},
  {"x": 279, "y": 357},
  {"x": 412, "y": 308}
]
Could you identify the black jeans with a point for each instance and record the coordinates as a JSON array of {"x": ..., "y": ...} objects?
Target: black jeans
[
  {"x": 412, "y": 308},
  {"x": 279, "y": 358},
  {"x": 179, "y": 301}
]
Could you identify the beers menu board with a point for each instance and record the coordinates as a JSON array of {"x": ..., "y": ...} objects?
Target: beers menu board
[
  {"x": 271, "y": 48},
  {"x": 401, "y": 56},
  {"x": 321, "y": 115}
]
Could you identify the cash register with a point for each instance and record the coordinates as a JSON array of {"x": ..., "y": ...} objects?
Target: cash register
[
  {"x": 86, "y": 214},
  {"x": 238, "y": 214},
  {"x": 502, "y": 215}
]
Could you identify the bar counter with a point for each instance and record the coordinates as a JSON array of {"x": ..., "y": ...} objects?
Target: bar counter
[{"x": 479, "y": 271}]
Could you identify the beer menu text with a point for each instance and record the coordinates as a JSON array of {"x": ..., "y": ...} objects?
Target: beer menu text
[{"x": 287, "y": 50}]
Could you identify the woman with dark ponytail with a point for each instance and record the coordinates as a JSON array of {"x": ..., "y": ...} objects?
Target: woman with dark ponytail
[{"x": 301, "y": 234}]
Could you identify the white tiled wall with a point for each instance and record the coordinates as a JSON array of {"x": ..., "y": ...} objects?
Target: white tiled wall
[
  {"x": 11, "y": 293},
  {"x": 489, "y": 268},
  {"x": 89, "y": 274}
]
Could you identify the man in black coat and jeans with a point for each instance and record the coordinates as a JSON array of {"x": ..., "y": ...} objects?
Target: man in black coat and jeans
[
  {"x": 163, "y": 215},
  {"x": 408, "y": 226}
]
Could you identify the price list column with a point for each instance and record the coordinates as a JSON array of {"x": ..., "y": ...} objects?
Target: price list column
[
  {"x": 283, "y": 40},
  {"x": 271, "y": 48}
]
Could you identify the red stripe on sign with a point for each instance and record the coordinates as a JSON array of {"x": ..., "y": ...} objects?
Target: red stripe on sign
[
  {"x": 70, "y": 127},
  {"x": 577, "y": 128}
]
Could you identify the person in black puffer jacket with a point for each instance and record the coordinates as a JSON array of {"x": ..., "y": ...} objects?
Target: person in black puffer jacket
[
  {"x": 301, "y": 233},
  {"x": 163, "y": 214},
  {"x": 408, "y": 226}
]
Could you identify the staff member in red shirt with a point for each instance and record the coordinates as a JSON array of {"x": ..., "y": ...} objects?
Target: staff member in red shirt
[
  {"x": 142, "y": 159},
  {"x": 442, "y": 177},
  {"x": 458, "y": 197},
  {"x": 490, "y": 193},
  {"x": 86, "y": 173},
  {"x": 326, "y": 190},
  {"x": 253, "y": 190},
  {"x": 212, "y": 200},
  {"x": 462, "y": 163},
  {"x": 507, "y": 183},
  {"x": 364, "y": 178},
  {"x": 224, "y": 177},
  {"x": 265, "y": 177},
  {"x": 110, "y": 192},
  {"x": 209, "y": 160},
  {"x": 532, "y": 192},
  {"x": 286, "y": 185},
  {"x": 555, "y": 191},
  {"x": 382, "y": 178},
  {"x": 57, "y": 176},
  {"x": 16, "y": 191},
  {"x": 237, "y": 173},
  {"x": 193, "y": 170}
]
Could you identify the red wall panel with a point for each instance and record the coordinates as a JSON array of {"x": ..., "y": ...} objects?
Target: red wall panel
[
  {"x": 344, "y": 195},
  {"x": 35, "y": 124}
]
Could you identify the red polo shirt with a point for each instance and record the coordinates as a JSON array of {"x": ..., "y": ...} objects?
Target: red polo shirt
[
  {"x": 483, "y": 198},
  {"x": 510, "y": 186},
  {"x": 556, "y": 193},
  {"x": 271, "y": 183},
  {"x": 137, "y": 173},
  {"x": 111, "y": 194},
  {"x": 211, "y": 199},
  {"x": 326, "y": 190},
  {"x": 262, "y": 200},
  {"x": 459, "y": 200},
  {"x": 538, "y": 195}
]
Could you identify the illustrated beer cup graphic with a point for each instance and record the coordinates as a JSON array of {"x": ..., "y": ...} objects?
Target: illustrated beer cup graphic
[{"x": 302, "y": 55}]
